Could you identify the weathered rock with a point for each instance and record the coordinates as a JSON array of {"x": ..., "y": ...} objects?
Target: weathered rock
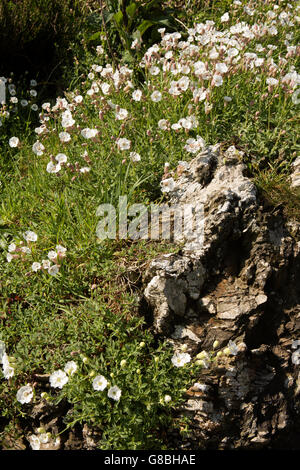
[
  {"x": 295, "y": 176},
  {"x": 236, "y": 278}
]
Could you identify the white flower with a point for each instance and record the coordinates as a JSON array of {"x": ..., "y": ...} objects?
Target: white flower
[
  {"x": 296, "y": 343},
  {"x": 163, "y": 124},
  {"x": 46, "y": 263},
  {"x": 105, "y": 87},
  {"x": 156, "y": 96},
  {"x": 135, "y": 157},
  {"x": 53, "y": 270},
  {"x": 52, "y": 255},
  {"x": 46, "y": 106},
  {"x": 61, "y": 158},
  {"x": 67, "y": 119},
  {"x": 78, "y": 99},
  {"x": 8, "y": 371},
  {"x": 114, "y": 393},
  {"x": 64, "y": 136},
  {"x": 61, "y": 251},
  {"x": 24, "y": 103},
  {"x": 36, "y": 266},
  {"x": 99, "y": 50},
  {"x": 40, "y": 130},
  {"x": 201, "y": 387},
  {"x": 34, "y": 442},
  {"x": 271, "y": 81},
  {"x": 58, "y": 379},
  {"x": 217, "y": 80},
  {"x": 34, "y": 107},
  {"x": 2, "y": 350},
  {"x": 221, "y": 67},
  {"x": 52, "y": 168},
  {"x": 99, "y": 383},
  {"x": 12, "y": 247},
  {"x": 123, "y": 144},
  {"x": 30, "y": 236},
  {"x": 9, "y": 257},
  {"x": 25, "y": 249},
  {"x": 232, "y": 52},
  {"x": 194, "y": 145},
  {"x": 33, "y": 93},
  {"x": 38, "y": 148},
  {"x": 13, "y": 142},
  {"x": 137, "y": 95},
  {"x": 154, "y": 70},
  {"x": 33, "y": 82},
  {"x": 89, "y": 133},
  {"x": 233, "y": 348},
  {"x": 70, "y": 367},
  {"x": 25, "y": 394},
  {"x": 167, "y": 398},
  {"x": 296, "y": 357},
  {"x": 121, "y": 114},
  {"x": 167, "y": 185},
  {"x": 180, "y": 359},
  {"x": 84, "y": 169},
  {"x": 44, "y": 438},
  {"x": 225, "y": 17}
]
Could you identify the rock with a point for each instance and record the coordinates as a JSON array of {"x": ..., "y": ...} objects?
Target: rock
[
  {"x": 295, "y": 176},
  {"x": 235, "y": 278}
]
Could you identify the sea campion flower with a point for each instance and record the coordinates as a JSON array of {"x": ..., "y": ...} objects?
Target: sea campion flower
[
  {"x": 167, "y": 185},
  {"x": 61, "y": 158},
  {"x": 156, "y": 96},
  {"x": 64, "y": 136},
  {"x": 137, "y": 95},
  {"x": 30, "y": 236},
  {"x": 180, "y": 359},
  {"x": 134, "y": 156},
  {"x": 58, "y": 379},
  {"x": 38, "y": 148},
  {"x": 53, "y": 270},
  {"x": 89, "y": 133},
  {"x": 52, "y": 168},
  {"x": 14, "y": 142},
  {"x": 36, "y": 266},
  {"x": 114, "y": 393},
  {"x": 70, "y": 367},
  {"x": 194, "y": 145},
  {"x": 123, "y": 143},
  {"x": 25, "y": 394},
  {"x": 121, "y": 114},
  {"x": 99, "y": 383},
  {"x": 34, "y": 442}
]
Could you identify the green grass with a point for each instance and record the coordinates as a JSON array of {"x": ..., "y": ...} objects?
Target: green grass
[{"x": 91, "y": 307}]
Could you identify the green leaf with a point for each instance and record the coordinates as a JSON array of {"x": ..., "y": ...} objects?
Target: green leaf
[
  {"x": 131, "y": 9},
  {"x": 95, "y": 37},
  {"x": 118, "y": 17},
  {"x": 146, "y": 24}
]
